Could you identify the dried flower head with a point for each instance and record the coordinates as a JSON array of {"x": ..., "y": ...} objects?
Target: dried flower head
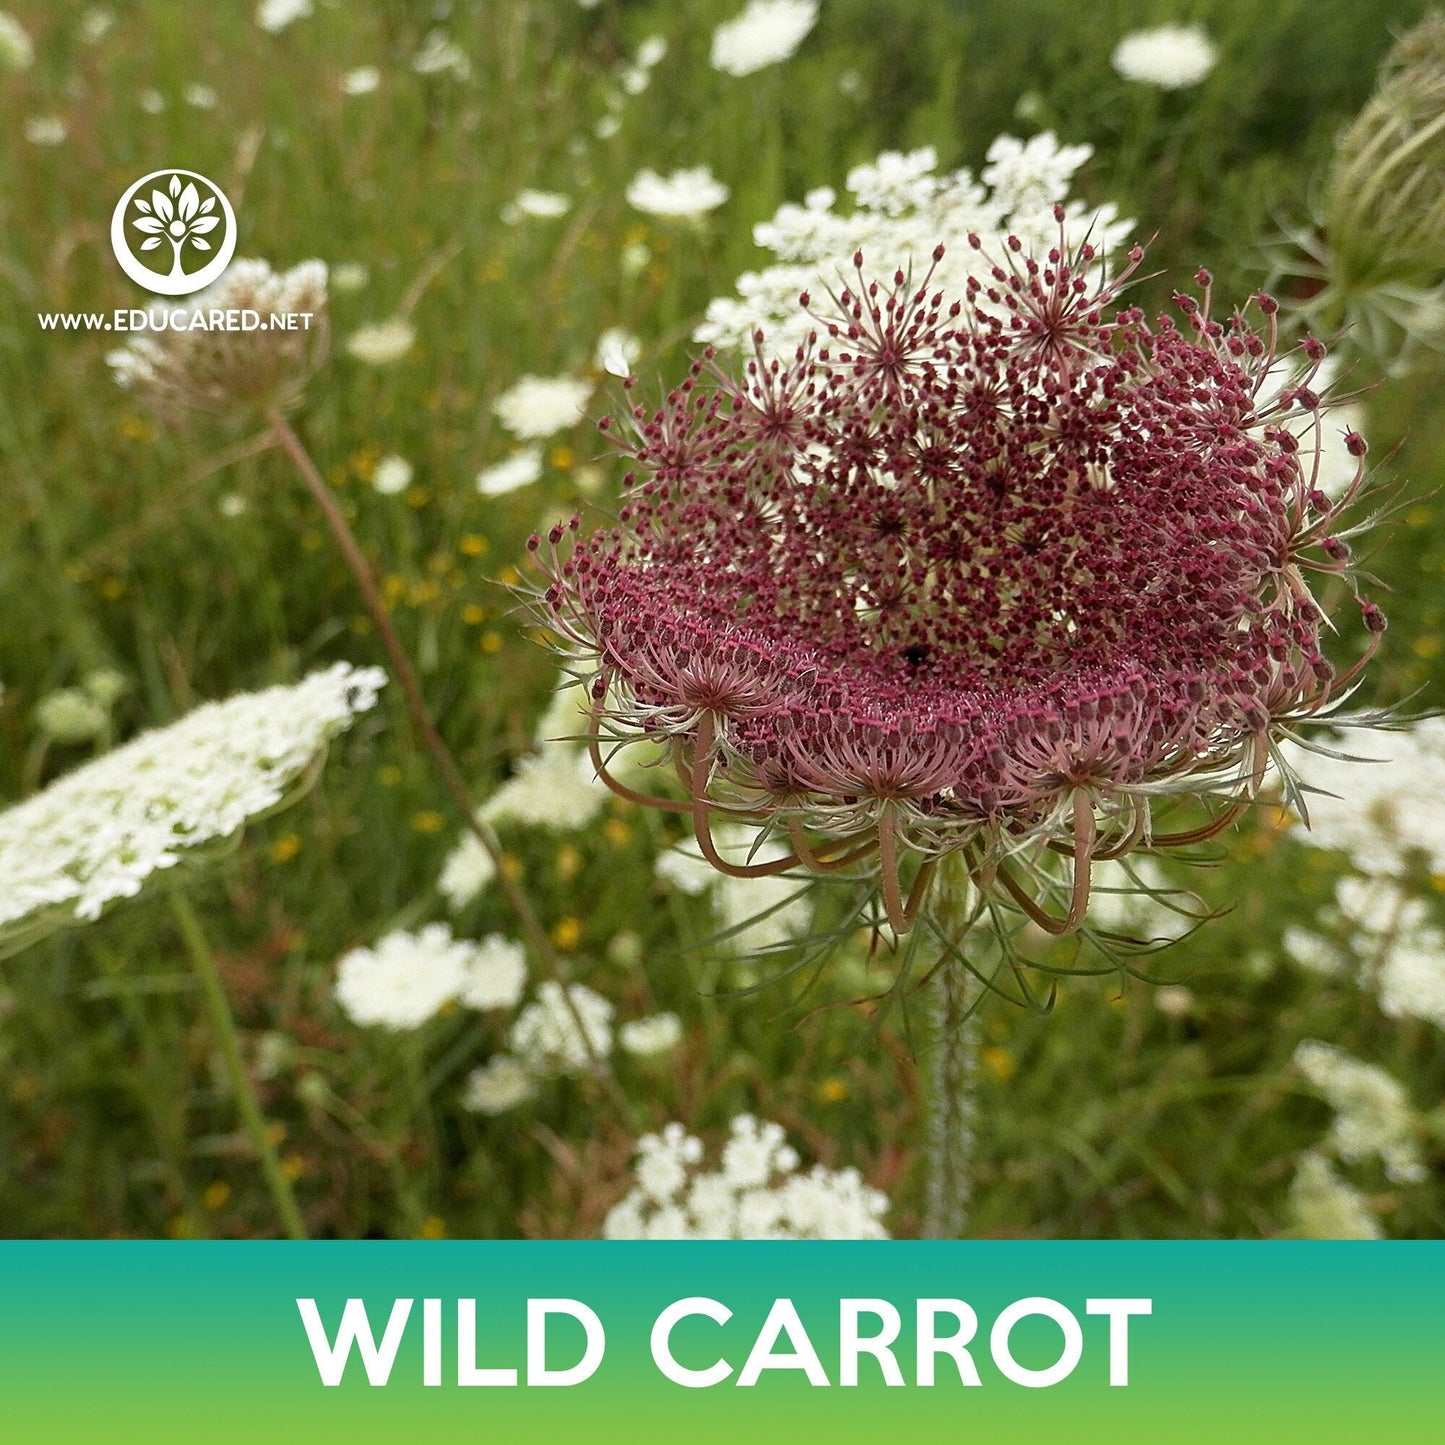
[
  {"x": 247, "y": 342},
  {"x": 1371, "y": 260},
  {"x": 987, "y": 576}
]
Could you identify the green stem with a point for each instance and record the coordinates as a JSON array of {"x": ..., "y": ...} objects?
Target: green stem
[
  {"x": 247, "y": 1104},
  {"x": 952, "y": 1108}
]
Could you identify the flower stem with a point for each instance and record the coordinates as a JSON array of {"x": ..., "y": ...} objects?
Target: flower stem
[
  {"x": 446, "y": 764},
  {"x": 952, "y": 1109},
  {"x": 247, "y": 1104}
]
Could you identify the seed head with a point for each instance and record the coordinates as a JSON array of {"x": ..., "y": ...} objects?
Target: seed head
[{"x": 987, "y": 575}]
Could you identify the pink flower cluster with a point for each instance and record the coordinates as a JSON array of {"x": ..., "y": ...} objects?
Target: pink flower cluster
[{"x": 990, "y": 573}]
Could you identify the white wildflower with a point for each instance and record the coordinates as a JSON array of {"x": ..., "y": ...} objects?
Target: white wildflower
[
  {"x": 273, "y": 16},
  {"x": 45, "y": 130},
  {"x": 617, "y": 351},
  {"x": 382, "y": 342},
  {"x": 202, "y": 97},
  {"x": 655, "y": 1034},
  {"x": 17, "y": 50},
  {"x": 652, "y": 52},
  {"x": 1373, "y": 1117},
  {"x": 539, "y": 406},
  {"x": 467, "y": 870},
  {"x": 538, "y": 205},
  {"x": 99, "y": 832},
  {"x": 502, "y": 1083},
  {"x": 393, "y": 474},
  {"x": 361, "y": 81},
  {"x": 496, "y": 974},
  {"x": 767, "y": 32},
  {"x": 683, "y": 195},
  {"x": 755, "y": 914},
  {"x": 1172, "y": 57},
  {"x": 151, "y": 101},
  {"x": 441, "y": 55},
  {"x": 404, "y": 979},
  {"x": 95, "y": 25},
  {"x": 1323, "y": 1206},
  {"x": 520, "y": 469},
  {"x": 546, "y": 1037},
  {"x": 901, "y": 211},
  {"x": 1379, "y": 906},
  {"x": 1386, "y": 811},
  {"x": 1137, "y": 900},
  {"x": 756, "y": 1193},
  {"x": 555, "y": 787},
  {"x": 1411, "y": 980},
  {"x": 1312, "y": 952},
  {"x": 349, "y": 276}
]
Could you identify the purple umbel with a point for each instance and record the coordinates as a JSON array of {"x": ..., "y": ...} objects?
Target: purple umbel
[{"x": 990, "y": 575}]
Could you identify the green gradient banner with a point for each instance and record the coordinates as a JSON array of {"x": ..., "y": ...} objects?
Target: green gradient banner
[{"x": 207, "y": 1342}]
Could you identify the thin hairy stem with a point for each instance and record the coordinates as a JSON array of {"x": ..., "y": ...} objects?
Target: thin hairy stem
[
  {"x": 952, "y": 1109},
  {"x": 441, "y": 756}
]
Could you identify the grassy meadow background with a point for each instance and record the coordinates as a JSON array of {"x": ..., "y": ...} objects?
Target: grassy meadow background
[{"x": 1129, "y": 1112}]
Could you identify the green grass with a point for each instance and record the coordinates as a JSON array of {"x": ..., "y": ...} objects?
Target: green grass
[{"x": 1108, "y": 1118}]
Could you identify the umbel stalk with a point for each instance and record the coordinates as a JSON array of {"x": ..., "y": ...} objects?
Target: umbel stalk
[
  {"x": 446, "y": 764},
  {"x": 951, "y": 1105}
]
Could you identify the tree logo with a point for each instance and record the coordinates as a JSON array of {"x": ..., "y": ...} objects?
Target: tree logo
[{"x": 181, "y": 211}]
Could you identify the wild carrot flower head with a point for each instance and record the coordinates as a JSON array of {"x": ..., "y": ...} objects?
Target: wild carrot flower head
[
  {"x": 248, "y": 341},
  {"x": 985, "y": 574}
]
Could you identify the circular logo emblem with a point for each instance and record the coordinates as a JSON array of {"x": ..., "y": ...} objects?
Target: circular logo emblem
[{"x": 173, "y": 232}]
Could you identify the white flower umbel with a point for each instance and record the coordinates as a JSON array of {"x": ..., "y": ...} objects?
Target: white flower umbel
[
  {"x": 45, "y": 130},
  {"x": 756, "y": 1193},
  {"x": 98, "y": 833},
  {"x": 1323, "y": 1206},
  {"x": 17, "y": 50},
  {"x": 1387, "y": 812},
  {"x": 536, "y": 205},
  {"x": 1373, "y": 1116},
  {"x": 655, "y": 1034},
  {"x": 554, "y": 787},
  {"x": 684, "y": 195},
  {"x": 767, "y": 32},
  {"x": 546, "y": 1036},
  {"x": 540, "y": 406},
  {"x": 273, "y": 16},
  {"x": 392, "y": 476},
  {"x": 383, "y": 342},
  {"x": 502, "y": 1083},
  {"x": 406, "y": 978},
  {"x": 1172, "y": 57},
  {"x": 901, "y": 211},
  {"x": 495, "y": 975},
  {"x": 753, "y": 914},
  {"x": 361, "y": 81},
  {"x": 519, "y": 470},
  {"x": 219, "y": 371},
  {"x": 617, "y": 352},
  {"x": 467, "y": 870}
]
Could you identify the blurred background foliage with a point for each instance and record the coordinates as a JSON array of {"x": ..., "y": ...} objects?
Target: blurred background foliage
[{"x": 126, "y": 547}]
